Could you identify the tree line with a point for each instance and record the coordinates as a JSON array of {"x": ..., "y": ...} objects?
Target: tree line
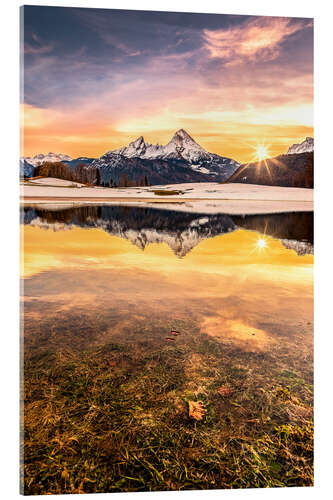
[{"x": 85, "y": 175}]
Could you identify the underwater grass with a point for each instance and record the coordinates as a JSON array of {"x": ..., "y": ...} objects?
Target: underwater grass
[{"x": 113, "y": 416}]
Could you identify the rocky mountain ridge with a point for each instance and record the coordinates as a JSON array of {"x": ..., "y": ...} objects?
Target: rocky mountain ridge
[
  {"x": 181, "y": 160},
  {"x": 50, "y": 157},
  {"x": 304, "y": 147}
]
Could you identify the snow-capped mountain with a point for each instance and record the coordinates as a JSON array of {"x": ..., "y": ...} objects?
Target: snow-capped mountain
[
  {"x": 26, "y": 169},
  {"x": 181, "y": 160},
  {"x": 304, "y": 147},
  {"x": 41, "y": 158},
  {"x": 181, "y": 147}
]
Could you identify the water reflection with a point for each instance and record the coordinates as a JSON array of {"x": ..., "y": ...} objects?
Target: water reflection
[
  {"x": 103, "y": 289},
  {"x": 225, "y": 281},
  {"x": 180, "y": 230}
]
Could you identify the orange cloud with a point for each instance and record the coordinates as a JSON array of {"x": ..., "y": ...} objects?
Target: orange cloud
[
  {"x": 259, "y": 38},
  {"x": 35, "y": 118}
]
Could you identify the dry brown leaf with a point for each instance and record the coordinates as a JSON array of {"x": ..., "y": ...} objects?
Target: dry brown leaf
[
  {"x": 196, "y": 410},
  {"x": 65, "y": 475},
  {"x": 225, "y": 390}
]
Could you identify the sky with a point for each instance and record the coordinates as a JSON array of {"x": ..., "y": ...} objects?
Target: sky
[{"x": 96, "y": 79}]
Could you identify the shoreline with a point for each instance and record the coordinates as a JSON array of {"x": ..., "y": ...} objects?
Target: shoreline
[
  {"x": 147, "y": 200},
  {"x": 207, "y": 198},
  {"x": 208, "y": 206}
]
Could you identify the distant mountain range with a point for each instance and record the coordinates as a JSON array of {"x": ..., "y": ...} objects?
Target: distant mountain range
[
  {"x": 82, "y": 159},
  {"x": 41, "y": 158},
  {"x": 182, "y": 159}
]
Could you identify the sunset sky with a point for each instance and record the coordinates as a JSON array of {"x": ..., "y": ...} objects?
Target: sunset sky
[{"x": 95, "y": 79}]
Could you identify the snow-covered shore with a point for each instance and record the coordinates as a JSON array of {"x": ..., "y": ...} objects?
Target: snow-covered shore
[{"x": 203, "y": 197}]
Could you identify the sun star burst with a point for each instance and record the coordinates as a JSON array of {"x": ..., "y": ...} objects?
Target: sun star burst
[{"x": 261, "y": 152}]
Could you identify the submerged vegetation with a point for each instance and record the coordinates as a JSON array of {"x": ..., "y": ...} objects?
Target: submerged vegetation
[{"x": 108, "y": 416}]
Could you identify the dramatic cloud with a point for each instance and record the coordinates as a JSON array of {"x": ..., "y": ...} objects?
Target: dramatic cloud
[{"x": 257, "y": 39}]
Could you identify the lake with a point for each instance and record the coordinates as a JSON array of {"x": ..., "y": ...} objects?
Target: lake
[{"x": 132, "y": 317}]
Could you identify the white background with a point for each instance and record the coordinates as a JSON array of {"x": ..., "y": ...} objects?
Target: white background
[{"x": 321, "y": 10}]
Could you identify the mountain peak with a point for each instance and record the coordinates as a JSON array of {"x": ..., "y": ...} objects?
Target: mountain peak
[
  {"x": 182, "y": 135},
  {"x": 135, "y": 148},
  {"x": 181, "y": 147},
  {"x": 306, "y": 146},
  {"x": 138, "y": 141}
]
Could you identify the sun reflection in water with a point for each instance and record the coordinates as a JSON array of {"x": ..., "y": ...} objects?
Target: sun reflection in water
[{"x": 261, "y": 243}]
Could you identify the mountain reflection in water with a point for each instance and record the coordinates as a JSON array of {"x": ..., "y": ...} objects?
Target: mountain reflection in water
[{"x": 180, "y": 230}]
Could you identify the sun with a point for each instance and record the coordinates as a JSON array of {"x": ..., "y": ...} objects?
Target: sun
[{"x": 261, "y": 152}]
